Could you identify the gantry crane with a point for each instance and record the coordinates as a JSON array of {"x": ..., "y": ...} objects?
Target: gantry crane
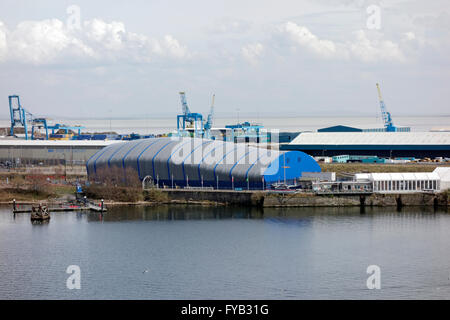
[
  {"x": 20, "y": 117},
  {"x": 189, "y": 119},
  {"x": 209, "y": 119},
  {"x": 194, "y": 120}
]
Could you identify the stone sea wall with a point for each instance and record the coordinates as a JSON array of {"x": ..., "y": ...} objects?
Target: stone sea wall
[{"x": 265, "y": 199}]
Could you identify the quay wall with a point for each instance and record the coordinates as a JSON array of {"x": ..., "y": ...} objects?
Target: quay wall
[{"x": 266, "y": 199}]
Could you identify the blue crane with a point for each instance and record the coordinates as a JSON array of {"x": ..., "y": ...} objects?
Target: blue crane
[
  {"x": 189, "y": 119},
  {"x": 210, "y": 119},
  {"x": 21, "y": 117},
  {"x": 387, "y": 119}
]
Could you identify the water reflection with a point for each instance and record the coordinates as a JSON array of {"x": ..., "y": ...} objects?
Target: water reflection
[
  {"x": 287, "y": 215},
  {"x": 178, "y": 212},
  {"x": 220, "y": 252},
  {"x": 40, "y": 223}
]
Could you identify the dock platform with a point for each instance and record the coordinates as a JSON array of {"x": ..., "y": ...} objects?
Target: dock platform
[{"x": 61, "y": 207}]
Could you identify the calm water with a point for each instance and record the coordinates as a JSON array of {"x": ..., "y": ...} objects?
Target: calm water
[{"x": 227, "y": 253}]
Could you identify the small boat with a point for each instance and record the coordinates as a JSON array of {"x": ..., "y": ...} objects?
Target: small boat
[{"x": 39, "y": 212}]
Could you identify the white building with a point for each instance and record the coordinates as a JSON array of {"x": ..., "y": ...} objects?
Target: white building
[
  {"x": 408, "y": 182},
  {"x": 444, "y": 174}
]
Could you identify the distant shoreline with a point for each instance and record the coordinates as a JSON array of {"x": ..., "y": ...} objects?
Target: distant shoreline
[
  {"x": 34, "y": 187},
  {"x": 265, "y": 199}
]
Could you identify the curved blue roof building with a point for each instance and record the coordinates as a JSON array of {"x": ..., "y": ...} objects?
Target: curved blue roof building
[{"x": 200, "y": 162}]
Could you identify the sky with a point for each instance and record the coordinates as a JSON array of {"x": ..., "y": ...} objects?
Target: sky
[{"x": 284, "y": 58}]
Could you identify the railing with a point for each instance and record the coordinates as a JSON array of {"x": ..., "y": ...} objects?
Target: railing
[
  {"x": 199, "y": 188},
  {"x": 344, "y": 192}
]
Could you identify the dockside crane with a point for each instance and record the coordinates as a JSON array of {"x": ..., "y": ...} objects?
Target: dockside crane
[
  {"x": 189, "y": 119},
  {"x": 18, "y": 114},
  {"x": 20, "y": 117},
  {"x": 184, "y": 105},
  {"x": 386, "y": 116},
  {"x": 210, "y": 119}
]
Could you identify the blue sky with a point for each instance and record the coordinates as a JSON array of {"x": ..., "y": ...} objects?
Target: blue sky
[{"x": 271, "y": 58}]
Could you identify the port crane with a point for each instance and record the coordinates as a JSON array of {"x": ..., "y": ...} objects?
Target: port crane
[
  {"x": 194, "y": 120},
  {"x": 189, "y": 119},
  {"x": 20, "y": 117},
  {"x": 210, "y": 119},
  {"x": 387, "y": 119}
]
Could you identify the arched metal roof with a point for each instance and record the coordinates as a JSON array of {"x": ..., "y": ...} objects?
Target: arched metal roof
[{"x": 197, "y": 162}]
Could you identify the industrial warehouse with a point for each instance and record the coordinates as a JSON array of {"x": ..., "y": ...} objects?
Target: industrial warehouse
[
  {"x": 191, "y": 162},
  {"x": 383, "y": 144},
  {"x": 48, "y": 152}
]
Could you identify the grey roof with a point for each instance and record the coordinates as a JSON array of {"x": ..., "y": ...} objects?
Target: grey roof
[{"x": 191, "y": 160}]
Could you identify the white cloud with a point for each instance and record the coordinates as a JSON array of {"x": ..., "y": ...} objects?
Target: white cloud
[
  {"x": 362, "y": 47},
  {"x": 50, "y": 41},
  {"x": 372, "y": 50},
  {"x": 110, "y": 35},
  {"x": 304, "y": 38},
  {"x": 41, "y": 42},
  {"x": 173, "y": 47},
  {"x": 252, "y": 52}
]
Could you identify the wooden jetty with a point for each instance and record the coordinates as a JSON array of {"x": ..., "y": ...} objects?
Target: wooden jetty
[{"x": 59, "y": 207}]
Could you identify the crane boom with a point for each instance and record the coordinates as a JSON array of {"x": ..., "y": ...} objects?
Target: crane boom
[
  {"x": 184, "y": 104},
  {"x": 210, "y": 119},
  {"x": 386, "y": 116},
  {"x": 379, "y": 92}
]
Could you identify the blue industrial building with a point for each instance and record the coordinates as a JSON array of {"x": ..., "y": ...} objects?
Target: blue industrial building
[{"x": 181, "y": 162}]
